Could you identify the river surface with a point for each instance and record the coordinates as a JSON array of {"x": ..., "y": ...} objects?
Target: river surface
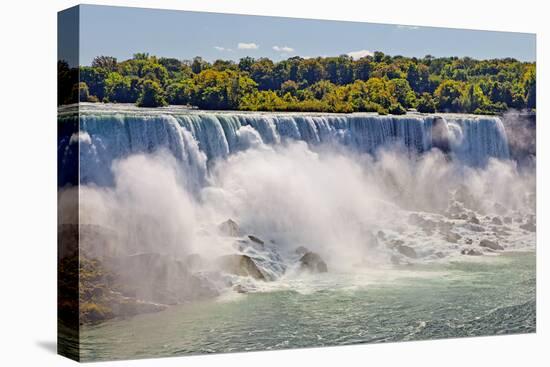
[{"x": 489, "y": 295}]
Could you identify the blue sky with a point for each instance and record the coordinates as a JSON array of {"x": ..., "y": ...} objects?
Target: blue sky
[{"x": 121, "y": 32}]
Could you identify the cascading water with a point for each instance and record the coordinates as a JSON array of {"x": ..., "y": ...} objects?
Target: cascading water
[
  {"x": 231, "y": 212},
  {"x": 197, "y": 138}
]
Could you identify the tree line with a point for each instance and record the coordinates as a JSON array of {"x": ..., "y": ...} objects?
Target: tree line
[{"x": 378, "y": 83}]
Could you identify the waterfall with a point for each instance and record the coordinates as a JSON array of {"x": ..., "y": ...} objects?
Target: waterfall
[{"x": 198, "y": 138}]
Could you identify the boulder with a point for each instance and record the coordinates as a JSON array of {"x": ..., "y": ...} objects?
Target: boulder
[
  {"x": 473, "y": 219},
  {"x": 239, "y": 288},
  {"x": 496, "y": 220},
  {"x": 468, "y": 241},
  {"x": 301, "y": 250},
  {"x": 474, "y": 227},
  {"x": 500, "y": 231},
  {"x": 266, "y": 258},
  {"x": 454, "y": 210},
  {"x": 529, "y": 227},
  {"x": 471, "y": 252},
  {"x": 255, "y": 239},
  {"x": 101, "y": 294},
  {"x": 394, "y": 243},
  {"x": 313, "y": 262},
  {"x": 229, "y": 228},
  {"x": 406, "y": 251},
  {"x": 426, "y": 224},
  {"x": 493, "y": 245},
  {"x": 241, "y": 265},
  {"x": 452, "y": 237}
]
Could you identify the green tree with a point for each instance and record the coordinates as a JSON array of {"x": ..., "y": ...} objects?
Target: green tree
[
  {"x": 94, "y": 77},
  {"x": 151, "y": 95},
  {"x": 377, "y": 92},
  {"x": 245, "y": 64},
  {"x": 154, "y": 71},
  {"x": 473, "y": 99},
  {"x": 67, "y": 78},
  {"x": 322, "y": 88},
  {"x": 289, "y": 87},
  {"x": 180, "y": 92},
  {"x": 261, "y": 72},
  {"x": 332, "y": 84},
  {"x": 122, "y": 89},
  {"x": 397, "y": 109},
  {"x": 143, "y": 56},
  {"x": 222, "y": 65},
  {"x": 83, "y": 92},
  {"x": 402, "y": 92},
  {"x": 221, "y": 89},
  {"x": 310, "y": 71},
  {"x": 362, "y": 68},
  {"x": 448, "y": 96},
  {"x": 530, "y": 87},
  {"x": 426, "y": 103},
  {"x": 339, "y": 70},
  {"x": 418, "y": 77},
  {"x": 199, "y": 64},
  {"x": 174, "y": 67},
  {"x": 108, "y": 63}
]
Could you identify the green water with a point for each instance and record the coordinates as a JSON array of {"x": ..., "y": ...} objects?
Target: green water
[{"x": 486, "y": 296}]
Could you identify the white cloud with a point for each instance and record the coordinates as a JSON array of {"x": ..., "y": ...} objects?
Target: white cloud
[
  {"x": 247, "y": 46},
  {"x": 284, "y": 49},
  {"x": 400, "y": 26},
  {"x": 359, "y": 54},
  {"x": 219, "y": 48}
]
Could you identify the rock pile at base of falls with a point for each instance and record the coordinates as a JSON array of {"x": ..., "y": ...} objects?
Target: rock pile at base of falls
[
  {"x": 312, "y": 261},
  {"x": 100, "y": 293},
  {"x": 452, "y": 237},
  {"x": 407, "y": 251},
  {"x": 496, "y": 221},
  {"x": 252, "y": 257},
  {"x": 110, "y": 284},
  {"x": 399, "y": 246},
  {"x": 160, "y": 279},
  {"x": 490, "y": 245},
  {"x": 241, "y": 265},
  {"x": 471, "y": 252},
  {"x": 529, "y": 225}
]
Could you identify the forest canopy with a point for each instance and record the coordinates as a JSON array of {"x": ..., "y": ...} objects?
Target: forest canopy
[{"x": 378, "y": 83}]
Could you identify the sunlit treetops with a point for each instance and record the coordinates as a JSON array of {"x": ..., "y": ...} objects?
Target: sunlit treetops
[{"x": 378, "y": 83}]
